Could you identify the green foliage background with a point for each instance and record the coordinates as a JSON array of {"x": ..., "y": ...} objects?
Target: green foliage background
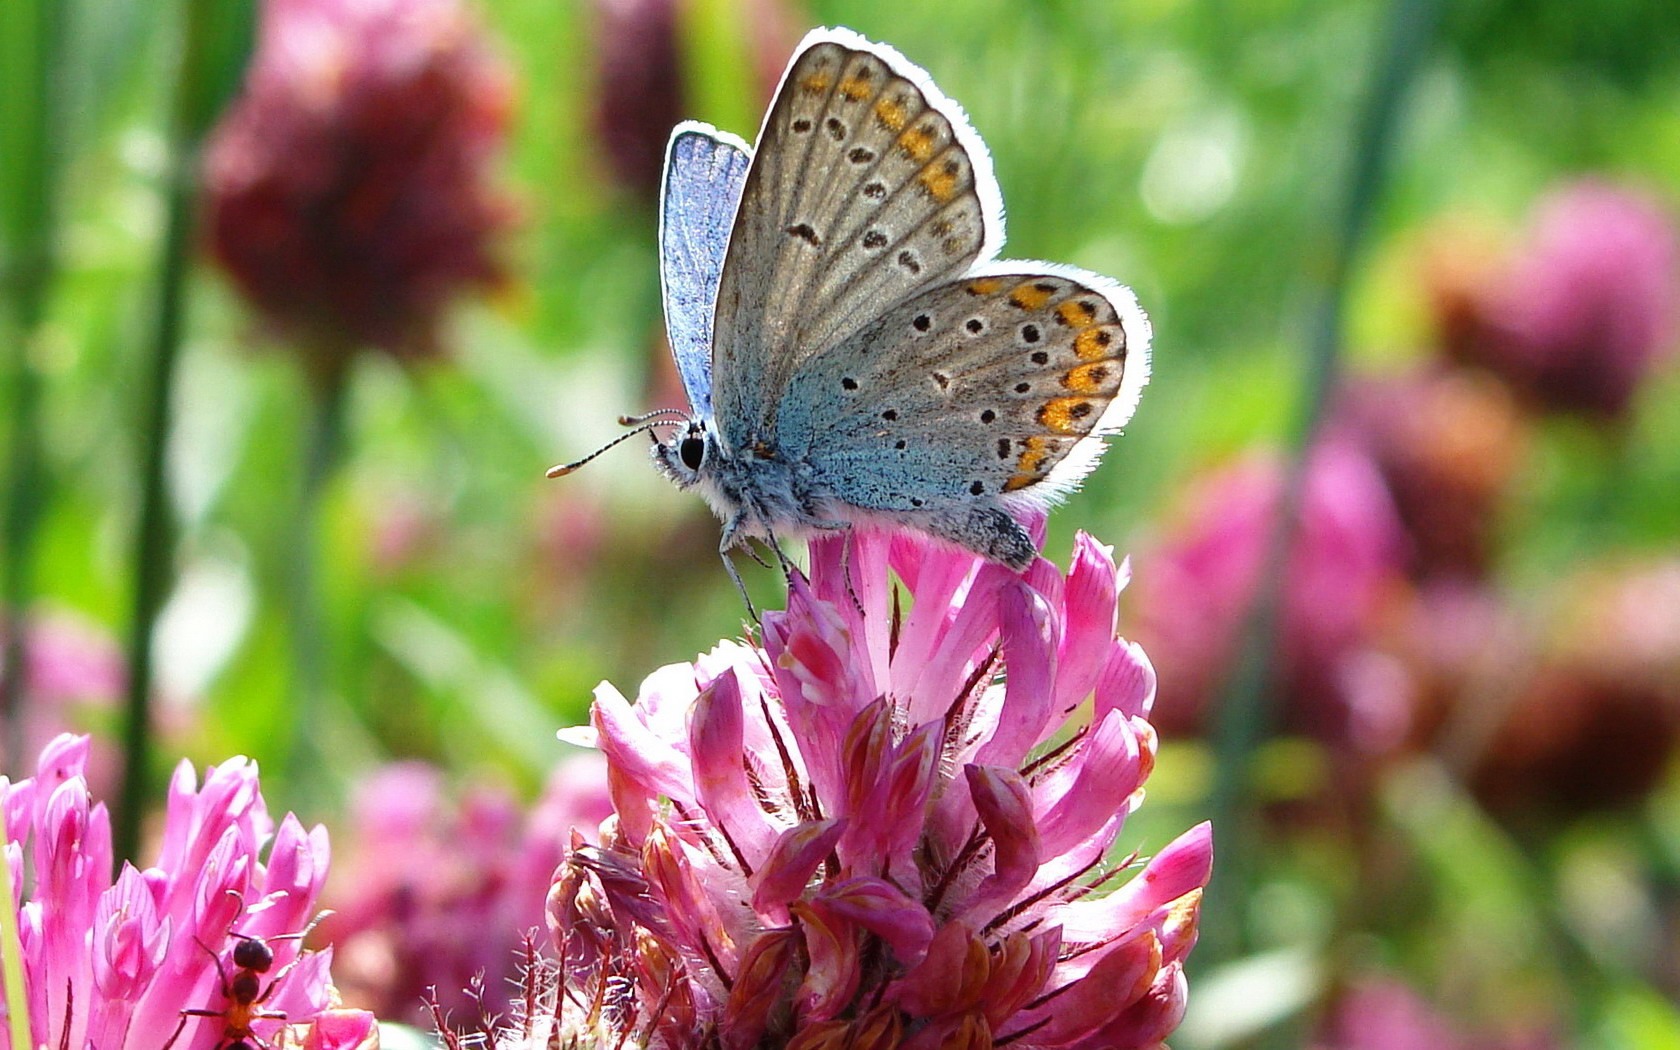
[{"x": 1196, "y": 151}]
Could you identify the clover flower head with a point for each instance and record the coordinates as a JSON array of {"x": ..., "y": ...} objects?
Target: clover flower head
[
  {"x": 112, "y": 963},
  {"x": 348, "y": 191},
  {"x": 1581, "y": 313},
  {"x": 890, "y": 822}
]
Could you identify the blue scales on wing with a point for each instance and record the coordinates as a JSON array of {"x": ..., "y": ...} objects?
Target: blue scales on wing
[{"x": 704, "y": 172}]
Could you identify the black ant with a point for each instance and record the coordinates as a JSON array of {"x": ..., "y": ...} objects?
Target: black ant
[{"x": 244, "y": 991}]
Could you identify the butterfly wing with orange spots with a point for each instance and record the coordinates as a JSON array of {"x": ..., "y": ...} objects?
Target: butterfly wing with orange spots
[
  {"x": 866, "y": 187},
  {"x": 993, "y": 390}
]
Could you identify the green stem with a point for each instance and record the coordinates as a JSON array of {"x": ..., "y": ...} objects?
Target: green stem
[
  {"x": 310, "y": 658},
  {"x": 1244, "y": 718},
  {"x": 215, "y": 41},
  {"x": 154, "y": 548},
  {"x": 33, "y": 93},
  {"x": 25, "y": 495}
]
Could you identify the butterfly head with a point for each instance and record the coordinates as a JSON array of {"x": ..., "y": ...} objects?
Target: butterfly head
[{"x": 688, "y": 454}]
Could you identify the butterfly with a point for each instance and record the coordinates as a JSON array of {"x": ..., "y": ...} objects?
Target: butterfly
[{"x": 853, "y": 352}]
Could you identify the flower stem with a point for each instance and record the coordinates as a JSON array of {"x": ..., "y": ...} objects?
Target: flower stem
[
  {"x": 32, "y": 39},
  {"x": 303, "y": 553},
  {"x": 11, "y": 959},
  {"x": 1244, "y": 717},
  {"x": 214, "y": 45}
]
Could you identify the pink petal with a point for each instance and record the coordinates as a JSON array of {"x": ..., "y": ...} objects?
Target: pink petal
[
  {"x": 1182, "y": 868},
  {"x": 884, "y": 910},
  {"x": 1149, "y": 1020},
  {"x": 1117, "y": 980},
  {"x": 758, "y": 987},
  {"x": 64, "y": 757},
  {"x": 1090, "y": 608},
  {"x": 1020, "y": 967},
  {"x": 129, "y": 938},
  {"x": 1004, "y": 803},
  {"x": 720, "y": 774},
  {"x": 635, "y": 752},
  {"x": 784, "y": 875},
  {"x": 1028, "y": 635},
  {"x": 1106, "y": 772},
  {"x": 951, "y": 978},
  {"x": 342, "y": 1029},
  {"x": 833, "y": 976},
  {"x": 1127, "y": 682}
]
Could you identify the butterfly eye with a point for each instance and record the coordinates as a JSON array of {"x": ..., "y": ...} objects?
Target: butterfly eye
[{"x": 692, "y": 452}]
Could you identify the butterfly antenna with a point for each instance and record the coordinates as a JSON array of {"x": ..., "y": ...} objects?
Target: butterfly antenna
[
  {"x": 566, "y": 468},
  {"x": 630, "y": 421}
]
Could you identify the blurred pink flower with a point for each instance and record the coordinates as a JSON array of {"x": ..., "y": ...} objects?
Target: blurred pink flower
[
  {"x": 1384, "y": 1014},
  {"x": 347, "y": 191},
  {"x": 639, "y": 95},
  {"x": 1348, "y": 553},
  {"x": 1594, "y": 722},
  {"x": 640, "y": 60},
  {"x": 75, "y": 673},
  {"x": 1589, "y": 306},
  {"x": 1448, "y": 444},
  {"x": 890, "y": 825},
  {"x": 113, "y": 964},
  {"x": 434, "y": 895}
]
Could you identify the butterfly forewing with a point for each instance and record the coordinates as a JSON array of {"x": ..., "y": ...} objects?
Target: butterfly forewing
[
  {"x": 997, "y": 386},
  {"x": 704, "y": 171},
  {"x": 868, "y": 186}
]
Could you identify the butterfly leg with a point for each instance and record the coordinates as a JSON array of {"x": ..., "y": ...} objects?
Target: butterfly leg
[
  {"x": 775, "y": 546},
  {"x": 740, "y": 584},
  {"x": 845, "y": 528},
  {"x": 732, "y": 539}
]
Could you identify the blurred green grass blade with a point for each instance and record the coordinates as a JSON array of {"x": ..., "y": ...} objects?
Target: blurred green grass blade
[
  {"x": 32, "y": 34},
  {"x": 720, "y": 75},
  {"x": 216, "y": 41},
  {"x": 31, "y": 42},
  {"x": 1243, "y": 718},
  {"x": 216, "y": 47}
]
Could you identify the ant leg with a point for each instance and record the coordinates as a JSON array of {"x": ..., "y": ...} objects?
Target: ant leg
[
  {"x": 179, "y": 1028},
  {"x": 320, "y": 917},
  {"x": 286, "y": 969},
  {"x": 227, "y": 992},
  {"x": 275, "y": 983}
]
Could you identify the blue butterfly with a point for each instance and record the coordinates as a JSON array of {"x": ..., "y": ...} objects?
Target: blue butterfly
[{"x": 853, "y": 352}]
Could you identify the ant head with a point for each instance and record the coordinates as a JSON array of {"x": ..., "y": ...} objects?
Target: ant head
[{"x": 252, "y": 953}]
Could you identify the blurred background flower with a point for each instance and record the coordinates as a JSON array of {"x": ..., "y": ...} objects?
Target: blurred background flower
[
  {"x": 349, "y": 191},
  {"x": 434, "y": 895},
  {"x": 74, "y": 681},
  {"x": 1583, "y": 311},
  {"x": 1198, "y": 583}
]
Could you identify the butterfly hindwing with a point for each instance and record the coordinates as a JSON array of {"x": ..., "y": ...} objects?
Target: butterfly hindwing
[
  {"x": 868, "y": 185},
  {"x": 996, "y": 387},
  {"x": 704, "y": 172}
]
